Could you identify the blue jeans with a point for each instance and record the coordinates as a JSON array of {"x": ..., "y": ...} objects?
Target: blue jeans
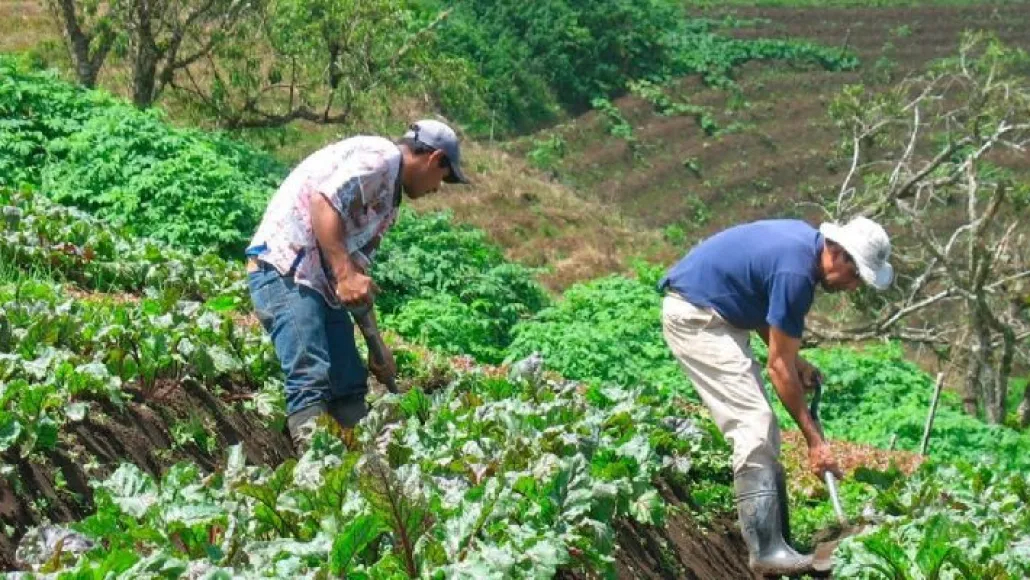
[{"x": 314, "y": 343}]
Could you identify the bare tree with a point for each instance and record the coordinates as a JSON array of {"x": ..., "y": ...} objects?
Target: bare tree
[
  {"x": 158, "y": 38},
  {"x": 167, "y": 36},
  {"x": 929, "y": 158},
  {"x": 315, "y": 60},
  {"x": 88, "y": 31}
]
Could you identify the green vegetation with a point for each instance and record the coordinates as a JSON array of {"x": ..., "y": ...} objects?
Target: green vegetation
[
  {"x": 448, "y": 286},
  {"x": 484, "y": 479},
  {"x": 875, "y": 394},
  {"x": 603, "y": 331},
  {"x": 45, "y": 240},
  {"x": 198, "y": 190},
  {"x": 946, "y": 522},
  {"x": 538, "y": 60}
]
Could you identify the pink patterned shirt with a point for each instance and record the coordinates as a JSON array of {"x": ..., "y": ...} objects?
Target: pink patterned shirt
[{"x": 359, "y": 176}]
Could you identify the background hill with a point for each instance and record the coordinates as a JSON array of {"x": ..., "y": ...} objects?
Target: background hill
[{"x": 775, "y": 146}]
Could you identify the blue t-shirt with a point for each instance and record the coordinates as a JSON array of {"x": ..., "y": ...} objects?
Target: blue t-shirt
[{"x": 755, "y": 274}]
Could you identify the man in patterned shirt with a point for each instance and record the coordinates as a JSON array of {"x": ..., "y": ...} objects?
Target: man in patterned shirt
[{"x": 308, "y": 263}]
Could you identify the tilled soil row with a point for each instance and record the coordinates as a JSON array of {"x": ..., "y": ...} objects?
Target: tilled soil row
[{"x": 54, "y": 486}]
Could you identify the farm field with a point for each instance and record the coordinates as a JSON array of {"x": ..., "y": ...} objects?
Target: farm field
[
  {"x": 542, "y": 427},
  {"x": 779, "y": 149}
]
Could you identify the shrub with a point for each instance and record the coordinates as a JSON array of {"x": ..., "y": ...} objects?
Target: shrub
[
  {"x": 36, "y": 107},
  {"x": 540, "y": 57},
  {"x": 198, "y": 190},
  {"x": 189, "y": 188},
  {"x": 428, "y": 257},
  {"x": 606, "y": 330}
]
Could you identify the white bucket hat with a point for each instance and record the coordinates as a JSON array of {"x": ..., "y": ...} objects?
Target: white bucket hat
[{"x": 868, "y": 244}]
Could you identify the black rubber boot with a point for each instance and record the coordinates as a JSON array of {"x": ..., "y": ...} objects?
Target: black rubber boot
[
  {"x": 761, "y": 511},
  {"x": 302, "y": 425},
  {"x": 348, "y": 410}
]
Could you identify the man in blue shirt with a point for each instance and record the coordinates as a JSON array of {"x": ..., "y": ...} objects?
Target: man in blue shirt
[{"x": 762, "y": 277}]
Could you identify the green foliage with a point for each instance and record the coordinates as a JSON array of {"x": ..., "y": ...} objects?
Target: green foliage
[
  {"x": 606, "y": 330},
  {"x": 482, "y": 479},
  {"x": 41, "y": 237},
  {"x": 714, "y": 57},
  {"x": 183, "y": 186},
  {"x": 945, "y": 522},
  {"x": 198, "y": 190},
  {"x": 538, "y": 60},
  {"x": 452, "y": 326},
  {"x": 328, "y": 61},
  {"x": 547, "y": 151},
  {"x": 58, "y": 355},
  {"x": 875, "y": 394},
  {"x": 36, "y": 107},
  {"x": 456, "y": 272}
]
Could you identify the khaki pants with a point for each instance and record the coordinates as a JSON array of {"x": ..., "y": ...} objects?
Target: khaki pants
[{"x": 718, "y": 359}]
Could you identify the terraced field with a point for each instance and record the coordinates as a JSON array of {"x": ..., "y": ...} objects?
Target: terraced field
[{"x": 779, "y": 152}]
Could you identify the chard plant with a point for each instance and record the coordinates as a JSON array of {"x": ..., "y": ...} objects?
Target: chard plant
[{"x": 485, "y": 478}]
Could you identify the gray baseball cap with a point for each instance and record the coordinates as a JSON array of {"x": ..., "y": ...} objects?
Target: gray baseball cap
[{"x": 439, "y": 136}]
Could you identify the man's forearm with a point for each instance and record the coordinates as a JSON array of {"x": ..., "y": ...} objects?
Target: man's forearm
[
  {"x": 330, "y": 232},
  {"x": 784, "y": 377},
  {"x": 763, "y": 332}
]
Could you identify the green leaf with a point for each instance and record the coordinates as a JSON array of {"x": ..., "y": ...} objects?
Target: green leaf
[
  {"x": 10, "y": 429},
  {"x": 223, "y": 303},
  {"x": 359, "y": 533},
  {"x": 648, "y": 508},
  {"x": 132, "y": 490}
]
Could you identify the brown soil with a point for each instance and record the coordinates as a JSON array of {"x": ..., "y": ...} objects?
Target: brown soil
[
  {"x": 680, "y": 549},
  {"x": 784, "y": 154},
  {"x": 138, "y": 433}
]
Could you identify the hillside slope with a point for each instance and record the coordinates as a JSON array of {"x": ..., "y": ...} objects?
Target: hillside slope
[{"x": 778, "y": 152}]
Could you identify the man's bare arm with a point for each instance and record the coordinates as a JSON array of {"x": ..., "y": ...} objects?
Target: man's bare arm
[
  {"x": 329, "y": 233},
  {"x": 782, "y": 365}
]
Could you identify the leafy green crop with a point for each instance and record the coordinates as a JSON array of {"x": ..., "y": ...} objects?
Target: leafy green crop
[
  {"x": 464, "y": 296},
  {"x": 606, "y": 330},
  {"x": 58, "y": 354},
  {"x": 874, "y": 394},
  {"x": 68, "y": 244},
  {"x": 483, "y": 479},
  {"x": 36, "y": 107},
  {"x": 199, "y": 190},
  {"x": 713, "y": 56},
  {"x": 183, "y": 186},
  {"x": 946, "y": 522}
]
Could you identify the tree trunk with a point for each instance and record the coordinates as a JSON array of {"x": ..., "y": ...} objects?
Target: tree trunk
[
  {"x": 975, "y": 363},
  {"x": 995, "y": 392},
  {"x": 144, "y": 66},
  {"x": 144, "y": 80},
  {"x": 87, "y": 66}
]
